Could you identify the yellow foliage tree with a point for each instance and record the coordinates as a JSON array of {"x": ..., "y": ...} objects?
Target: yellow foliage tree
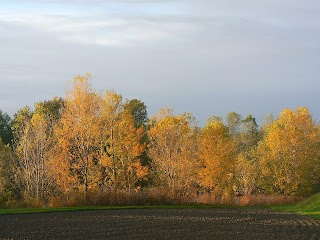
[
  {"x": 121, "y": 146},
  {"x": 217, "y": 153},
  {"x": 128, "y": 150},
  {"x": 172, "y": 148},
  {"x": 289, "y": 154},
  {"x": 77, "y": 134},
  {"x": 247, "y": 173},
  {"x": 34, "y": 141},
  {"x": 110, "y": 111}
]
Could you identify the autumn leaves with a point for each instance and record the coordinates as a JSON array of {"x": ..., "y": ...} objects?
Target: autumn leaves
[
  {"x": 289, "y": 154},
  {"x": 90, "y": 145},
  {"x": 98, "y": 142},
  {"x": 173, "y": 150}
]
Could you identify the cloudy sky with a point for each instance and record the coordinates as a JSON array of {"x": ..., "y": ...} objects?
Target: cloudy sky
[{"x": 207, "y": 57}]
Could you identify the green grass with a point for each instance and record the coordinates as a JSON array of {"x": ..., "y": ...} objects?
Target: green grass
[
  {"x": 309, "y": 207},
  {"x": 43, "y": 210},
  {"x": 87, "y": 208}
]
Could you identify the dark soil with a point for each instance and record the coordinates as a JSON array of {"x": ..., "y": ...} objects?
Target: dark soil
[{"x": 129, "y": 224}]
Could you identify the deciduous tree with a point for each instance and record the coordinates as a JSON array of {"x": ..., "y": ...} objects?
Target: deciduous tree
[
  {"x": 289, "y": 154},
  {"x": 5, "y": 128},
  {"x": 217, "y": 153},
  {"x": 10, "y": 184},
  {"x": 78, "y": 134},
  {"x": 234, "y": 124},
  {"x": 122, "y": 127},
  {"x": 173, "y": 150},
  {"x": 33, "y": 133},
  {"x": 249, "y": 135}
]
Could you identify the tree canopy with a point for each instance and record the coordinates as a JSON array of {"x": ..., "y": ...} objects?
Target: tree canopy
[{"x": 91, "y": 146}]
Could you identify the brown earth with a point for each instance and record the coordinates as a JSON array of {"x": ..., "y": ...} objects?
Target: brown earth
[{"x": 215, "y": 223}]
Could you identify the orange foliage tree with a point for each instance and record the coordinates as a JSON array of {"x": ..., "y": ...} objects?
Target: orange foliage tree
[
  {"x": 92, "y": 144},
  {"x": 98, "y": 146},
  {"x": 77, "y": 134}
]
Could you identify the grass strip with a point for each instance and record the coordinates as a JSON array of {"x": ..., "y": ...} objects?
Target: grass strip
[
  {"x": 309, "y": 207},
  {"x": 90, "y": 208}
]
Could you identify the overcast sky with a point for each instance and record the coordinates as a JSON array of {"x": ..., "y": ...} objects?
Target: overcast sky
[{"x": 207, "y": 57}]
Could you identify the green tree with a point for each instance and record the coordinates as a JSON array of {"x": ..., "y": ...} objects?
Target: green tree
[
  {"x": 51, "y": 109},
  {"x": 10, "y": 184},
  {"x": 140, "y": 115},
  {"x": 5, "y": 128},
  {"x": 245, "y": 133},
  {"x": 138, "y": 110},
  {"x": 249, "y": 135},
  {"x": 234, "y": 123},
  {"x": 20, "y": 124}
]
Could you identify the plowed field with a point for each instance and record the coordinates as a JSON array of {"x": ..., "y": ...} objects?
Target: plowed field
[{"x": 215, "y": 223}]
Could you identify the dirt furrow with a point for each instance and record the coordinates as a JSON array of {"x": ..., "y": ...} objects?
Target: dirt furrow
[{"x": 160, "y": 224}]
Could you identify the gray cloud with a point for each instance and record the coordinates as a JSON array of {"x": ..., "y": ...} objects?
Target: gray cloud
[{"x": 206, "y": 57}]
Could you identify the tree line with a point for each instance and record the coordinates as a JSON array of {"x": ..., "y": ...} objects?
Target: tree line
[{"x": 90, "y": 146}]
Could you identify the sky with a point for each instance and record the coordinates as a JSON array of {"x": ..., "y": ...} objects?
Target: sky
[{"x": 206, "y": 57}]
